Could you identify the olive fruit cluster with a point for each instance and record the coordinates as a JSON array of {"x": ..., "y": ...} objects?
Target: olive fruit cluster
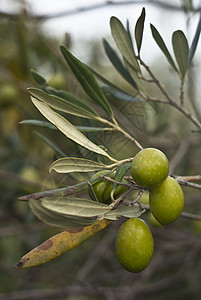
[
  {"x": 150, "y": 169},
  {"x": 134, "y": 241},
  {"x": 103, "y": 188}
]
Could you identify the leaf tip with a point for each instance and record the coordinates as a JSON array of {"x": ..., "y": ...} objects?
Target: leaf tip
[{"x": 19, "y": 265}]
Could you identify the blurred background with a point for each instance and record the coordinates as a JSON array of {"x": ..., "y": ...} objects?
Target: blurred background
[{"x": 30, "y": 34}]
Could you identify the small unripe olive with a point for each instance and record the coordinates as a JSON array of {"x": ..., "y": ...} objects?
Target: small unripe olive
[
  {"x": 134, "y": 245},
  {"x": 149, "y": 167},
  {"x": 103, "y": 188},
  {"x": 166, "y": 201}
]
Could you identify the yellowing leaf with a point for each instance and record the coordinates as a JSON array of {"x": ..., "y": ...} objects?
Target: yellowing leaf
[{"x": 59, "y": 244}]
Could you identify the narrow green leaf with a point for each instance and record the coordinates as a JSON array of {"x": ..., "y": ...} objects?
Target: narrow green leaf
[
  {"x": 38, "y": 77},
  {"x": 123, "y": 42},
  {"x": 181, "y": 50},
  {"x": 112, "y": 84},
  {"x": 115, "y": 60},
  {"x": 158, "y": 39},
  {"x": 69, "y": 98},
  {"x": 67, "y": 128},
  {"x": 124, "y": 211},
  {"x": 120, "y": 173},
  {"x": 120, "y": 95},
  {"x": 195, "y": 42},
  {"x": 128, "y": 30},
  {"x": 91, "y": 192},
  {"x": 74, "y": 164},
  {"x": 55, "y": 219},
  {"x": 87, "y": 80},
  {"x": 79, "y": 207},
  {"x": 72, "y": 106},
  {"x": 44, "y": 124},
  {"x": 93, "y": 129},
  {"x": 134, "y": 75},
  {"x": 139, "y": 28}
]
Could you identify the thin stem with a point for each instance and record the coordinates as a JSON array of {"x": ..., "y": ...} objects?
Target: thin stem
[
  {"x": 182, "y": 93},
  {"x": 116, "y": 127},
  {"x": 171, "y": 101},
  {"x": 188, "y": 184},
  {"x": 137, "y": 198},
  {"x": 122, "y": 197},
  {"x": 189, "y": 178},
  {"x": 115, "y": 181}
]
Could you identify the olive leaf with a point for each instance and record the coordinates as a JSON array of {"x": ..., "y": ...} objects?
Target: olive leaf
[
  {"x": 139, "y": 28},
  {"x": 195, "y": 42},
  {"x": 60, "y": 244},
  {"x": 120, "y": 173},
  {"x": 67, "y": 128},
  {"x": 72, "y": 206},
  {"x": 93, "y": 129},
  {"x": 39, "y": 123},
  {"x": 112, "y": 85},
  {"x": 91, "y": 192},
  {"x": 72, "y": 105},
  {"x": 115, "y": 60},
  {"x": 128, "y": 30},
  {"x": 134, "y": 74},
  {"x": 181, "y": 50},
  {"x": 124, "y": 211},
  {"x": 121, "y": 37},
  {"x": 46, "y": 124},
  {"x": 120, "y": 95},
  {"x": 86, "y": 79},
  {"x": 158, "y": 39},
  {"x": 38, "y": 77},
  {"x": 55, "y": 219},
  {"x": 74, "y": 164}
]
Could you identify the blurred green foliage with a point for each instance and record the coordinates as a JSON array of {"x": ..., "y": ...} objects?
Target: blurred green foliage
[{"x": 90, "y": 271}]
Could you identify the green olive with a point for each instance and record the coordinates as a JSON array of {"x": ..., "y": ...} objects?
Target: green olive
[
  {"x": 166, "y": 201},
  {"x": 134, "y": 245},
  {"x": 149, "y": 167},
  {"x": 104, "y": 187},
  {"x": 152, "y": 220}
]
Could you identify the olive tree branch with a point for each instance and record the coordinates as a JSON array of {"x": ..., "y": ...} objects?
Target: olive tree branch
[
  {"x": 171, "y": 101},
  {"x": 66, "y": 191},
  {"x": 190, "y": 178},
  {"x": 187, "y": 183}
]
